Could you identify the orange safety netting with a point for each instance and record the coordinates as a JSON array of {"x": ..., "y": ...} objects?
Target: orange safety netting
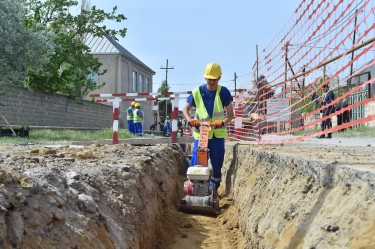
[{"x": 324, "y": 42}]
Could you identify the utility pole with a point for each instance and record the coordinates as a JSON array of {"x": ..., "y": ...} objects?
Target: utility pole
[
  {"x": 286, "y": 67},
  {"x": 257, "y": 64},
  {"x": 286, "y": 77},
  {"x": 349, "y": 82},
  {"x": 166, "y": 82},
  {"x": 235, "y": 84}
]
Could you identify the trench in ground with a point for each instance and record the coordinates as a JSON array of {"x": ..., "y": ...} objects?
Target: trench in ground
[{"x": 278, "y": 197}]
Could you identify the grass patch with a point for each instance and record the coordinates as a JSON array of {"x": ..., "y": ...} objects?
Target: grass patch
[
  {"x": 63, "y": 137},
  {"x": 355, "y": 132}
]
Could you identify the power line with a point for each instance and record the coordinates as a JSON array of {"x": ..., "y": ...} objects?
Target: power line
[
  {"x": 338, "y": 25},
  {"x": 187, "y": 84}
]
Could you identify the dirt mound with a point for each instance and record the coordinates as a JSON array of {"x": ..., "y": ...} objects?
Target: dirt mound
[{"x": 116, "y": 196}]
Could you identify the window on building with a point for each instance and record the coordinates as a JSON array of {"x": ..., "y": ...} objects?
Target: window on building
[
  {"x": 134, "y": 82},
  {"x": 147, "y": 90},
  {"x": 141, "y": 83},
  {"x": 94, "y": 77}
]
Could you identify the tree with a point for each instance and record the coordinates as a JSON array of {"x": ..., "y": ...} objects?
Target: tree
[
  {"x": 308, "y": 104},
  {"x": 264, "y": 89},
  {"x": 71, "y": 63},
  {"x": 21, "y": 48},
  {"x": 167, "y": 103}
]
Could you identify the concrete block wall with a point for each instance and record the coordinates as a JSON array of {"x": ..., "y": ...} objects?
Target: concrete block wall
[
  {"x": 370, "y": 110},
  {"x": 36, "y": 108}
]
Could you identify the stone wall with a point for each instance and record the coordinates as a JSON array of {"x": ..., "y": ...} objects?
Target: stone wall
[
  {"x": 36, "y": 108},
  {"x": 370, "y": 110}
]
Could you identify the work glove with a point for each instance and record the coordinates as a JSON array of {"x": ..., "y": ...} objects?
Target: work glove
[
  {"x": 193, "y": 123},
  {"x": 218, "y": 124}
]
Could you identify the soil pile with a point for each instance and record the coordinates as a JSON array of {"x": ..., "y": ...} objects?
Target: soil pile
[{"x": 116, "y": 196}]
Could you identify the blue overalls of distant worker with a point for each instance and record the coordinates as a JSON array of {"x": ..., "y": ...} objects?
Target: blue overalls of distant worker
[
  {"x": 167, "y": 126},
  {"x": 138, "y": 116},
  {"x": 327, "y": 100},
  {"x": 216, "y": 145},
  {"x": 130, "y": 117}
]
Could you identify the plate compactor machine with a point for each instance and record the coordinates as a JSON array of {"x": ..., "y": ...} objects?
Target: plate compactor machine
[{"x": 200, "y": 195}]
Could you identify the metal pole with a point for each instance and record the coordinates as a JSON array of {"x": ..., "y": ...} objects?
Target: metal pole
[
  {"x": 256, "y": 85},
  {"x": 303, "y": 71},
  {"x": 290, "y": 106},
  {"x": 286, "y": 72},
  {"x": 166, "y": 83},
  {"x": 348, "y": 85},
  {"x": 235, "y": 84},
  {"x": 6, "y": 121},
  {"x": 158, "y": 118},
  {"x": 286, "y": 68},
  {"x": 257, "y": 62}
]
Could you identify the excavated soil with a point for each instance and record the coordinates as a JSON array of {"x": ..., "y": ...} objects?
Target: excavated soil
[{"x": 298, "y": 195}]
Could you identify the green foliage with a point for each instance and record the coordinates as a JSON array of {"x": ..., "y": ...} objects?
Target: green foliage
[
  {"x": 22, "y": 48},
  {"x": 362, "y": 131},
  {"x": 164, "y": 87},
  {"x": 162, "y": 104},
  {"x": 68, "y": 68},
  {"x": 307, "y": 105},
  {"x": 49, "y": 137}
]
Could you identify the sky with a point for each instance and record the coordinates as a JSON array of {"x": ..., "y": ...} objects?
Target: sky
[{"x": 191, "y": 34}]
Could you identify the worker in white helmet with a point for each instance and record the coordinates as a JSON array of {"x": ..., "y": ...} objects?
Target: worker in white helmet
[
  {"x": 130, "y": 117},
  {"x": 210, "y": 100}
]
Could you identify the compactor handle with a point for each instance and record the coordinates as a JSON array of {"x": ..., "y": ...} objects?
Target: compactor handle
[
  {"x": 202, "y": 150},
  {"x": 205, "y": 123}
]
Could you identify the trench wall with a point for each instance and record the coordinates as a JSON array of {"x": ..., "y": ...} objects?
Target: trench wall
[
  {"x": 22, "y": 106},
  {"x": 289, "y": 202}
]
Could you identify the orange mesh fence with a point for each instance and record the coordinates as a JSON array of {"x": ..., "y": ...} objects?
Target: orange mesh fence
[{"x": 324, "y": 43}]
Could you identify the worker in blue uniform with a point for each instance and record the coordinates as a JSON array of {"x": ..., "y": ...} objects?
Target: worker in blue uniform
[
  {"x": 210, "y": 100},
  {"x": 329, "y": 108},
  {"x": 138, "y": 117},
  {"x": 130, "y": 117},
  {"x": 167, "y": 126}
]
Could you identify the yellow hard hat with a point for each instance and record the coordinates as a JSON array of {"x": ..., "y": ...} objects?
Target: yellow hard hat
[
  {"x": 133, "y": 103},
  {"x": 254, "y": 115},
  {"x": 212, "y": 71},
  {"x": 167, "y": 116},
  {"x": 137, "y": 105}
]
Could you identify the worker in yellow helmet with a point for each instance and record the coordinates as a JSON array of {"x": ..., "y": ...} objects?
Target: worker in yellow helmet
[
  {"x": 138, "y": 116},
  {"x": 210, "y": 100},
  {"x": 130, "y": 117},
  {"x": 167, "y": 127}
]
